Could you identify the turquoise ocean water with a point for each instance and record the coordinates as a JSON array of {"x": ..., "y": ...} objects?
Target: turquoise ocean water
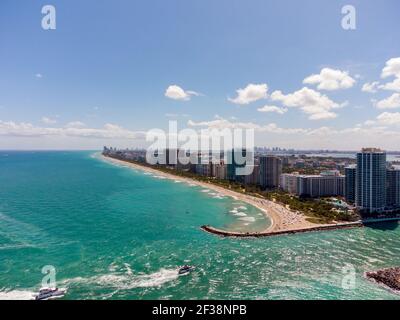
[{"x": 115, "y": 233}]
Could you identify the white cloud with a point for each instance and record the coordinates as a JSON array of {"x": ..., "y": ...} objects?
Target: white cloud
[
  {"x": 48, "y": 120},
  {"x": 221, "y": 123},
  {"x": 309, "y": 138},
  {"x": 273, "y": 109},
  {"x": 388, "y": 118},
  {"x": 23, "y": 129},
  {"x": 370, "y": 87},
  {"x": 38, "y": 75},
  {"x": 369, "y": 122},
  {"x": 392, "y": 86},
  {"x": 391, "y": 102},
  {"x": 330, "y": 79},
  {"x": 176, "y": 115},
  {"x": 177, "y": 93},
  {"x": 75, "y": 124},
  {"x": 311, "y": 102},
  {"x": 252, "y": 93},
  {"x": 392, "y": 68}
]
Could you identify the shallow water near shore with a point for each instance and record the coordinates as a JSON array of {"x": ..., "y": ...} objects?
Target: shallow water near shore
[{"x": 116, "y": 233}]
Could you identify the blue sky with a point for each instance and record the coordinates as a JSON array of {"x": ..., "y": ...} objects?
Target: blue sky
[{"x": 109, "y": 63}]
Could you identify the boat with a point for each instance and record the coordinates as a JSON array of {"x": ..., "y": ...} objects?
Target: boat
[
  {"x": 185, "y": 269},
  {"x": 49, "y": 293}
]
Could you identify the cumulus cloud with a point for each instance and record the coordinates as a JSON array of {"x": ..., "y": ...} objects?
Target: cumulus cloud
[
  {"x": 48, "y": 120},
  {"x": 252, "y": 93},
  {"x": 330, "y": 79},
  {"x": 221, "y": 123},
  {"x": 391, "y": 102},
  {"x": 275, "y": 109},
  {"x": 311, "y": 102},
  {"x": 392, "y": 86},
  {"x": 392, "y": 68},
  {"x": 370, "y": 87},
  {"x": 314, "y": 138},
  {"x": 177, "y": 93},
  {"x": 389, "y": 118},
  {"x": 23, "y": 129},
  {"x": 75, "y": 124}
]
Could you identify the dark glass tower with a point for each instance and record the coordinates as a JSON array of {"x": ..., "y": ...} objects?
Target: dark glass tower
[
  {"x": 393, "y": 187},
  {"x": 350, "y": 184},
  {"x": 371, "y": 180},
  {"x": 270, "y": 171}
]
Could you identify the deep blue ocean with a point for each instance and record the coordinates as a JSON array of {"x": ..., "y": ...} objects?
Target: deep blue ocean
[{"x": 112, "y": 232}]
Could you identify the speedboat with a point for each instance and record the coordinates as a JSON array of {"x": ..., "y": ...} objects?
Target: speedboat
[
  {"x": 49, "y": 293},
  {"x": 185, "y": 269}
]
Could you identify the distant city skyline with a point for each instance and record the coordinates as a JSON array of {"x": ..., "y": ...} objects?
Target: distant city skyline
[{"x": 110, "y": 72}]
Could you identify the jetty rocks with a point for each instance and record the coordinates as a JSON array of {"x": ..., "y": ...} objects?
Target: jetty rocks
[{"x": 387, "y": 277}]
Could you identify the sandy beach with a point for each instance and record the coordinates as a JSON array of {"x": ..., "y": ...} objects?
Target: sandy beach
[{"x": 282, "y": 218}]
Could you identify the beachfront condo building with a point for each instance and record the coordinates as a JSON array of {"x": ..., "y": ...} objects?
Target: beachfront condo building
[
  {"x": 288, "y": 182},
  {"x": 371, "y": 180},
  {"x": 254, "y": 177},
  {"x": 326, "y": 184},
  {"x": 350, "y": 184},
  {"x": 236, "y": 159},
  {"x": 270, "y": 171},
  {"x": 220, "y": 170},
  {"x": 393, "y": 187}
]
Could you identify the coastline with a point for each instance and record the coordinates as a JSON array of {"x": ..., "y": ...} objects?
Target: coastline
[{"x": 282, "y": 218}]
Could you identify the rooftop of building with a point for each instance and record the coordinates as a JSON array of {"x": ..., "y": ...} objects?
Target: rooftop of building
[
  {"x": 372, "y": 150},
  {"x": 323, "y": 174}
]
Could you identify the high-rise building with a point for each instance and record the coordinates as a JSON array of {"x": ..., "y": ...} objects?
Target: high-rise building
[
  {"x": 393, "y": 187},
  {"x": 254, "y": 176},
  {"x": 270, "y": 171},
  {"x": 220, "y": 170},
  {"x": 371, "y": 180},
  {"x": 350, "y": 184},
  {"x": 235, "y": 158}
]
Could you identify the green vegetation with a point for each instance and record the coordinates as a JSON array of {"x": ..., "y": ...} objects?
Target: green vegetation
[
  {"x": 317, "y": 210},
  {"x": 308, "y": 171}
]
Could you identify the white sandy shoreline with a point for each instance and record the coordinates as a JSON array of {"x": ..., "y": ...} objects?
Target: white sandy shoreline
[{"x": 281, "y": 218}]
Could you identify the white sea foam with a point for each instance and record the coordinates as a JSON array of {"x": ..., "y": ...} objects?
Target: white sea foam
[
  {"x": 219, "y": 197},
  {"x": 205, "y": 190},
  {"x": 248, "y": 219},
  {"x": 242, "y": 208},
  {"x": 128, "y": 268},
  {"x": 240, "y": 214},
  {"x": 113, "y": 267},
  {"x": 160, "y": 177},
  {"x": 129, "y": 281},
  {"x": 16, "y": 294}
]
